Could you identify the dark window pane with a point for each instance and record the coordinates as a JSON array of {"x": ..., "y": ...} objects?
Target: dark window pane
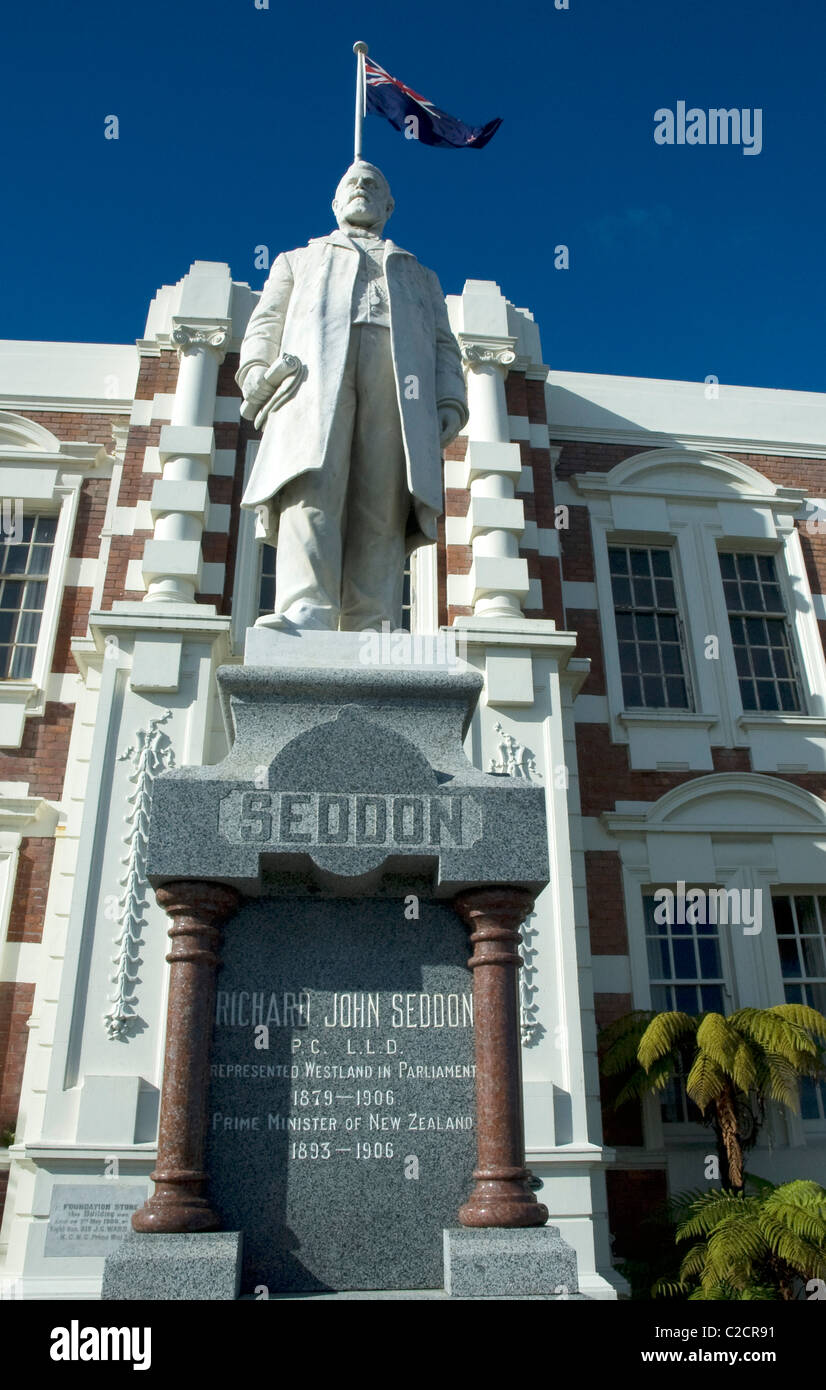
[
  {"x": 41, "y": 558},
  {"x": 794, "y": 994},
  {"x": 752, "y": 597},
  {"x": 747, "y": 565},
  {"x": 667, "y": 628},
  {"x": 747, "y": 695},
  {"x": 816, "y": 997},
  {"x": 804, "y": 906},
  {"x": 738, "y": 631},
  {"x": 646, "y": 625},
  {"x": 672, "y": 659},
  {"x": 781, "y": 663},
  {"x": 625, "y": 627},
  {"x": 789, "y": 958},
  {"x": 659, "y": 967},
  {"x": 783, "y": 920},
  {"x": 809, "y": 1108},
  {"x": 632, "y": 690},
  {"x": 46, "y": 529},
  {"x": 811, "y": 949},
  {"x": 643, "y": 593},
  {"x": 639, "y": 562},
  {"x": 685, "y": 999},
  {"x": 628, "y": 656},
  {"x": 762, "y": 661},
  {"x": 665, "y": 594},
  {"x": 788, "y": 697},
  {"x": 622, "y": 591},
  {"x": 741, "y": 661},
  {"x": 709, "y": 958},
  {"x": 677, "y": 692},
  {"x": 685, "y": 965},
  {"x": 661, "y": 563},
  {"x": 649, "y": 657},
  {"x": 660, "y": 1000},
  {"x": 617, "y": 561},
  {"x": 727, "y": 569},
  {"x": 767, "y": 695},
  {"x": 711, "y": 997},
  {"x": 22, "y": 663},
  {"x": 732, "y": 593},
  {"x": 653, "y": 691},
  {"x": 12, "y": 591},
  {"x": 772, "y": 600},
  {"x": 756, "y": 632}
]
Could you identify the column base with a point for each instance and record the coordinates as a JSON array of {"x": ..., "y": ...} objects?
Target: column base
[
  {"x": 170, "y": 1211},
  {"x": 175, "y": 1267},
  {"x": 509, "y": 1264},
  {"x": 504, "y": 1200}
]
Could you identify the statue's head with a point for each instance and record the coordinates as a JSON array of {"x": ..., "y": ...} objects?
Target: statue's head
[{"x": 363, "y": 199}]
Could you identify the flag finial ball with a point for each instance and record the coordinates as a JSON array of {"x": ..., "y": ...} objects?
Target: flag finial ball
[{"x": 360, "y": 47}]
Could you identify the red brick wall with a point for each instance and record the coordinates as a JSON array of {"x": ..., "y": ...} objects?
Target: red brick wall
[
  {"x": 76, "y": 426},
  {"x": 41, "y": 758},
  {"x": 606, "y": 912},
  {"x": 15, "y": 1008},
  {"x": 91, "y": 511},
  {"x": 31, "y": 889},
  {"x": 158, "y": 376}
]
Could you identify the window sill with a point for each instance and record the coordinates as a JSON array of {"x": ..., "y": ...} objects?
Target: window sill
[
  {"x": 687, "y": 718},
  {"x": 17, "y": 699},
  {"x": 813, "y": 723}
]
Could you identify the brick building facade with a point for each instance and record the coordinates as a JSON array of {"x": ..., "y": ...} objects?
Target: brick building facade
[{"x": 647, "y": 528}]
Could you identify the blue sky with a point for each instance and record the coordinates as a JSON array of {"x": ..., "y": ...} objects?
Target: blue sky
[{"x": 235, "y": 124}]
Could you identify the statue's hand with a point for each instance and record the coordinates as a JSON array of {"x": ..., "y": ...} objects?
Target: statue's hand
[
  {"x": 255, "y": 388},
  {"x": 450, "y": 423}
]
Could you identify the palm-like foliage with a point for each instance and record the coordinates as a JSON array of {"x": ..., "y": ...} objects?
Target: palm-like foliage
[
  {"x": 726, "y": 1061},
  {"x": 764, "y": 1244}
]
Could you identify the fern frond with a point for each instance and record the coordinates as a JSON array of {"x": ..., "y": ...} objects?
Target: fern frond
[{"x": 662, "y": 1034}]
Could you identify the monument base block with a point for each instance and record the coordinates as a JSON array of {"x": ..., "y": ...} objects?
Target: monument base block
[
  {"x": 206, "y": 1265},
  {"x": 509, "y": 1263}
]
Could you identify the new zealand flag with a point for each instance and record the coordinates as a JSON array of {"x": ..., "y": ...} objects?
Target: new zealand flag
[{"x": 407, "y": 111}]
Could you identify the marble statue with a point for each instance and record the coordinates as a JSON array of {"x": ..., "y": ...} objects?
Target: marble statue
[{"x": 350, "y": 366}]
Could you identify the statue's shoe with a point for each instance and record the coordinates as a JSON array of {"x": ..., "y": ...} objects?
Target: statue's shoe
[{"x": 302, "y": 618}]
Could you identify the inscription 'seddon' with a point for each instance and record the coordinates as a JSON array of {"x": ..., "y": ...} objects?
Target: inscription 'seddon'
[{"x": 359, "y": 820}]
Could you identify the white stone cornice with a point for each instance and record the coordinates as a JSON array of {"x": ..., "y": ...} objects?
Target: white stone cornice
[{"x": 21, "y": 813}]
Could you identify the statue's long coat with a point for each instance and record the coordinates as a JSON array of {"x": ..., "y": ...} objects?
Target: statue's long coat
[{"x": 306, "y": 309}]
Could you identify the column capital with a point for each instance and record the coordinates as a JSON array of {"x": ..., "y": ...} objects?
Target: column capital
[
  {"x": 480, "y": 351},
  {"x": 187, "y": 335}
]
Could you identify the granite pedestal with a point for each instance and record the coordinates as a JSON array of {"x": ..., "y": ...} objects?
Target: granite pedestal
[{"x": 322, "y": 882}]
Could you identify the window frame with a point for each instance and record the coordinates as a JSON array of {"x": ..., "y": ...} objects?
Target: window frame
[
  {"x": 690, "y": 707},
  {"x": 46, "y": 480}
]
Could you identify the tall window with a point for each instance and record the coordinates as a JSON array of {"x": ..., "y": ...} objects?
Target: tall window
[
  {"x": 685, "y": 969},
  {"x": 649, "y": 635},
  {"x": 266, "y": 584},
  {"x": 24, "y": 572},
  {"x": 759, "y": 632},
  {"x": 800, "y": 923}
]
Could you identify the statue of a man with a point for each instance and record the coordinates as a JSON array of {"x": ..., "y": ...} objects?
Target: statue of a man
[{"x": 368, "y": 389}]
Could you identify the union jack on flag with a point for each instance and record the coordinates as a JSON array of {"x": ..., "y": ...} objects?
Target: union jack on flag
[{"x": 418, "y": 117}]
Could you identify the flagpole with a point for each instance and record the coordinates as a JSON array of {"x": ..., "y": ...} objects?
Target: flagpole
[{"x": 360, "y": 49}]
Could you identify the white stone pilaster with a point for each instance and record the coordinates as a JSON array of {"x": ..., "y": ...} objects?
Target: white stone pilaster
[{"x": 498, "y": 580}]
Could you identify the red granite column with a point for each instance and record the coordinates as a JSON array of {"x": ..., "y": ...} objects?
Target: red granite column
[
  {"x": 501, "y": 1196},
  {"x": 198, "y": 910}
]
